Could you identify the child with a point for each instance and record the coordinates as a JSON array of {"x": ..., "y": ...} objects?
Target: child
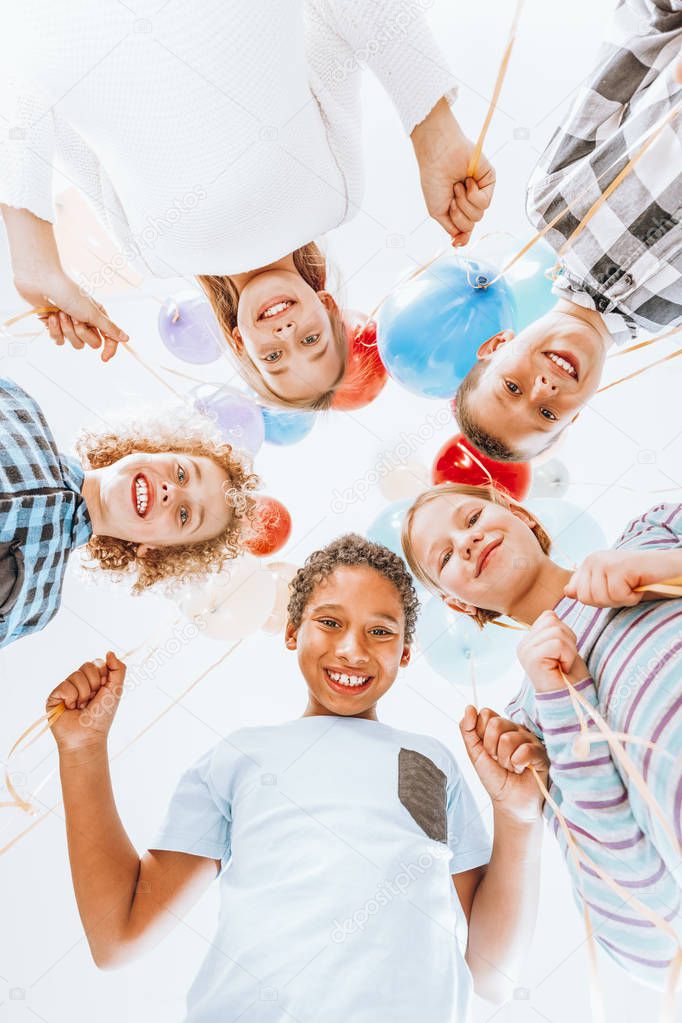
[
  {"x": 623, "y": 271},
  {"x": 157, "y": 499},
  {"x": 348, "y": 851},
  {"x": 485, "y": 555}
]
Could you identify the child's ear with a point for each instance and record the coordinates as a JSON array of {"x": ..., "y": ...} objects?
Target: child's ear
[
  {"x": 237, "y": 340},
  {"x": 459, "y": 605},
  {"x": 490, "y": 346},
  {"x": 327, "y": 300},
  {"x": 405, "y": 659},
  {"x": 290, "y": 636}
]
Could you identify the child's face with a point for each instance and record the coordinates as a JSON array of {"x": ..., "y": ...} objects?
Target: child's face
[
  {"x": 287, "y": 333},
  {"x": 350, "y": 641},
  {"x": 536, "y": 382},
  {"x": 480, "y": 554},
  {"x": 163, "y": 499}
]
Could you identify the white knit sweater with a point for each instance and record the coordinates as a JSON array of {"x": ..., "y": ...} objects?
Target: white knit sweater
[{"x": 214, "y": 136}]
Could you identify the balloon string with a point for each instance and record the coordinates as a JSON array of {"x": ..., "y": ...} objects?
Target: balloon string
[
  {"x": 145, "y": 365},
  {"x": 46, "y": 813},
  {"x": 502, "y": 71},
  {"x": 638, "y": 372},
  {"x": 474, "y": 692},
  {"x": 46, "y": 721},
  {"x": 645, "y": 344}
]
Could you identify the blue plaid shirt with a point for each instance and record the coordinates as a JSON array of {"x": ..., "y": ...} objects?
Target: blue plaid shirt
[{"x": 43, "y": 516}]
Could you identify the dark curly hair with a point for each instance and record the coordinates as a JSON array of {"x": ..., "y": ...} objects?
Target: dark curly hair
[{"x": 348, "y": 551}]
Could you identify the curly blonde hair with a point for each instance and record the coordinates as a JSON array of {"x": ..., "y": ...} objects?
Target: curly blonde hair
[
  {"x": 186, "y": 433},
  {"x": 485, "y": 493}
]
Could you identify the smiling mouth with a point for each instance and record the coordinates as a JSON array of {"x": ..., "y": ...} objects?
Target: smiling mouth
[
  {"x": 565, "y": 363},
  {"x": 485, "y": 556},
  {"x": 142, "y": 494},
  {"x": 341, "y": 682},
  {"x": 275, "y": 308}
]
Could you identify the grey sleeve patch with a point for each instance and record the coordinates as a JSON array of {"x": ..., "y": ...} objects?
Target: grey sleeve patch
[{"x": 422, "y": 789}]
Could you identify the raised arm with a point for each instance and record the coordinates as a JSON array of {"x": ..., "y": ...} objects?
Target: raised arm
[
  {"x": 126, "y": 904},
  {"x": 594, "y": 801}
]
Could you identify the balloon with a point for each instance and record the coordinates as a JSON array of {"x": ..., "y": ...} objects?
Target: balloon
[
  {"x": 431, "y": 327},
  {"x": 286, "y": 427},
  {"x": 189, "y": 329},
  {"x": 237, "y": 416},
  {"x": 551, "y": 479},
  {"x": 272, "y": 527},
  {"x": 404, "y": 481},
  {"x": 574, "y": 532},
  {"x": 531, "y": 288},
  {"x": 386, "y": 528},
  {"x": 235, "y": 602},
  {"x": 283, "y": 573},
  {"x": 365, "y": 373},
  {"x": 449, "y": 641},
  {"x": 457, "y": 462}
]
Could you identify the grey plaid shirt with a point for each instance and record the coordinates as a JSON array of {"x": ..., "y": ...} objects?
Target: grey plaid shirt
[{"x": 627, "y": 262}]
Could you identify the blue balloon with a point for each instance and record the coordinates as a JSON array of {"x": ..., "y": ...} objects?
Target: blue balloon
[
  {"x": 454, "y": 646},
  {"x": 430, "y": 328},
  {"x": 286, "y": 427},
  {"x": 386, "y": 529},
  {"x": 531, "y": 288},
  {"x": 573, "y": 531}
]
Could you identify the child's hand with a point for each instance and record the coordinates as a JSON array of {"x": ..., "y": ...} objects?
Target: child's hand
[
  {"x": 547, "y": 650},
  {"x": 443, "y": 152},
  {"x": 610, "y": 578},
  {"x": 501, "y": 751},
  {"x": 91, "y": 695}
]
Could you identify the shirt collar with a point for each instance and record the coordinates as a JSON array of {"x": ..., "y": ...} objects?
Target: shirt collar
[{"x": 74, "y": 477}]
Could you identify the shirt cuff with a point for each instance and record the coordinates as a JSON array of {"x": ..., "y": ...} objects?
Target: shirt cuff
[
  {"x": 175, "y": 841},
  {"x": 556, "y": 711}
]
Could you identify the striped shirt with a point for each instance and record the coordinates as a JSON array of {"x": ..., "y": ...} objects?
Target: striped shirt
[
  {"x": 43, "y": 516},
  {"x": 634, "y": 656}
]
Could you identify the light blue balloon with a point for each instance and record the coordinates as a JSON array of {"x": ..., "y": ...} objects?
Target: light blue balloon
[
  {"x": 450, "y": 641},
  {"x": 573, "y": 531},
  {"x": 386, "y": 529},
  {"x": 286, "y": 427},
  {"x": 430, "y": 328},
  {"x": 531, "y": 288}
]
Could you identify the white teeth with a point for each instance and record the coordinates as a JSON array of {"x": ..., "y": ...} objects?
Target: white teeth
[
  {"x": 141, "y": 496},
  {"x": 563, "y": 363},
  {"x": 273, "y": 310},
  {"x": 349, "y": 680}
]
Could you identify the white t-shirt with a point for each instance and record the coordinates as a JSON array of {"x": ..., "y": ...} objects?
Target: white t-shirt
[{"x": 338, "y": 837}]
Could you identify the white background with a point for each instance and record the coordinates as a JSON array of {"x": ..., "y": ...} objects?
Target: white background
[{"x": 622, "y": 450}]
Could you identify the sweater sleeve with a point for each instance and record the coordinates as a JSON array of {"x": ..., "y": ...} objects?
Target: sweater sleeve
[
  {"x": 394, "y": 41},
  {"x": 592, "y": 798},
  {"x": 659, "y": 527},
  {"x": 27, "y": 149}
]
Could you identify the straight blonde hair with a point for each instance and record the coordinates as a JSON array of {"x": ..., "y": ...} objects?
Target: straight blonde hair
[
  {"x": 223, "y": 296},
  {"x": 485, "y": 492}
]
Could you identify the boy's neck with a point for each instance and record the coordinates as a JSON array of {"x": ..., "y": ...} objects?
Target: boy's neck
[
  {"x": 91, "y": 496},
  {"x": 317, "y": 709},
  {"x": 285, "y": 263},
  {"x": 543, "y": 594},
  {"x": 589, "y": 316}
]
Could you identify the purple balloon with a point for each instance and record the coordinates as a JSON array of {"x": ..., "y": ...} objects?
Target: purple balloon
[
  {"x": 238, "y": 418},
  {"x": 189, "y": 329}
]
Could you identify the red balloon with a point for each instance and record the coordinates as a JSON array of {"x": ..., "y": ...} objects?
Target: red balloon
[
  {"x": 365, "y": 372},
  {"x": 271, "y": 528},
  {"x": 459, "y": 462}
]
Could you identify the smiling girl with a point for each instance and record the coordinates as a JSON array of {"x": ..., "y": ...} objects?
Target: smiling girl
[
  {"x": 485, "y": 556},
  {"x": 158, "y": 498}
]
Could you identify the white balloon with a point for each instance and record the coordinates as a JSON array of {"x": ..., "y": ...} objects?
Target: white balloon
[
  {"x": 551, "y": 479},
  {"x": 283, "y": 573},
  {"x": 404, "y": 481},
  {"x": 234, "y": 603}
]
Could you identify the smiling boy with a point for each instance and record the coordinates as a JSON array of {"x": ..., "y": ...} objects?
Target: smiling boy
[
  {"x": 622, "y": 270},
  {"x": 351, "y": 855}
]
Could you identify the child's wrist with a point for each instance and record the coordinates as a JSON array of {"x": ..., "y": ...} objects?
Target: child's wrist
[{"x": 85, "y": 754}]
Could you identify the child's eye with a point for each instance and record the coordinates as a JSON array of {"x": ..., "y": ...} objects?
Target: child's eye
[
  {"x": 380, "y": 631},
  {"x": 184, "y": 515},
  {"x": 444, "y": 560},
  {"x": 182, "y": 475},
  {"x": 548, "y": 414},
  {"x": 328, "y": 621},
  {"x": 512, "y": 387},
  {"x": 474, "y": 519},
  {"x": 311, "y": 339},
  {"x": 272, "y": 357}
]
